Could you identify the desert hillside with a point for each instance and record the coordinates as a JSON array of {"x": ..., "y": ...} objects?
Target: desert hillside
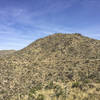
[
  {"x": 57, "y": 67},
  {"x": 6, "y": 52}
]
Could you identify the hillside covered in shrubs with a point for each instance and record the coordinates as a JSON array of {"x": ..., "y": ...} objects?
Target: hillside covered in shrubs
[{"x": 57, "y": 67}]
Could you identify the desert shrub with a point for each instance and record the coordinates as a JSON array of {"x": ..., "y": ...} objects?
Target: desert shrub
[
  {"x": 92, "y": 76},
  {"x": 83, "y": 76},
  {"x": 32, "y": 91},
  {"x": 70, "y": 76},
  {"x": 86, "y": 81},
  {"x": 38, "y": 86},
  {"x": 78, "y": 34},
  {"x": 76, "y": 84},
  {"x": 91, "y": 85},
  {"x": 61, "y": 92},
  {"x": 65, "y": 93},
  {"x": 86, "y": 61},
  {"x": 56, "y": 87},
  {"x": 40, "y": 97},
  {"x": 31, "y": 97},
  {"x": 58, "y": 91},
  {"x": 97, "y": 89},
  {"x": 50, "y": 85},
  {"x": 85, "y": 98}
]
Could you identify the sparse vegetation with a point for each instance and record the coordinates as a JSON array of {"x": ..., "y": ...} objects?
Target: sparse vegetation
[{"x": 49, "y": 65}]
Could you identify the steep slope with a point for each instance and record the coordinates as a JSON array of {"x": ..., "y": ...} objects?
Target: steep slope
[{"x": 69, "y": 61}]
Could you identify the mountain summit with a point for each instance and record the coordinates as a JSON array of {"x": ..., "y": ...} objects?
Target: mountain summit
[{"x": 59, "y": 66}]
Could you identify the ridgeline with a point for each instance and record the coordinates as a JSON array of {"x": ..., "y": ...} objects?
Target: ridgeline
[{"x": 57, "y": 67}]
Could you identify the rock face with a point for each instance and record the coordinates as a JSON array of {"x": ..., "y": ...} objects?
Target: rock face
[{"x": 64, "y": 60}]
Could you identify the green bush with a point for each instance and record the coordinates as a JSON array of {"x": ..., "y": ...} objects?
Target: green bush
[{"x": 76, "y": 85}]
